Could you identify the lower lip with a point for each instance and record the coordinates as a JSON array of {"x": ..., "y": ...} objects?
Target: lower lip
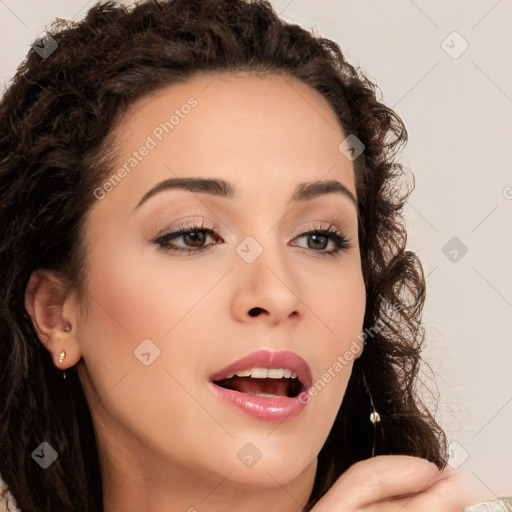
[{"x": 263, "y": 408}]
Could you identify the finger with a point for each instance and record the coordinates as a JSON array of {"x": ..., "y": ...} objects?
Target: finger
[
  {"x": 447, "y": 494},
  {"x": 379, "y": 478},
  {"x": 451, "y": 493}
]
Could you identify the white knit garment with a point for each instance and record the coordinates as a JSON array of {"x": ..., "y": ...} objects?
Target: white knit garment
[{"x": 7, "y": 502}]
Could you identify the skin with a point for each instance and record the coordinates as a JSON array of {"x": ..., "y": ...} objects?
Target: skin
[
  {"x": 398, "y": 483},
  {"x": 166, "y": 441}
]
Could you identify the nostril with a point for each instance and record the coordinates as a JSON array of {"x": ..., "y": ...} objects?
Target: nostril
[{"x": 255, "y": 311}]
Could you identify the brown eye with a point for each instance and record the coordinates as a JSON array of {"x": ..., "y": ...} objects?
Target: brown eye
[
  {"x": 318, "y": 241},
  {"x": 192, "y": 237},
  {"x": 196, "y": 238}
]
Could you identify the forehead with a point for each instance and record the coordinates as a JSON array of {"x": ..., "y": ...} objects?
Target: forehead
[{"x": 257, "y": 131}]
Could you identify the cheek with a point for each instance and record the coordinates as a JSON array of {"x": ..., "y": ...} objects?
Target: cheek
[
  {"x": 341, "y": 311},
  {"x": 139, "y": 295},
  {"x": 142, "y": 303},
  {"x": 340, "y": 304},
  {"x": 139, "y": 342}
]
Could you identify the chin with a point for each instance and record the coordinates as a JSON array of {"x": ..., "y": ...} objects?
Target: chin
[{"x": 266, "y": 463}]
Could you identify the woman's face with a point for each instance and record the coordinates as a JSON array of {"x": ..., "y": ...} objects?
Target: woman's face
[{"x": 165, "y": 315}]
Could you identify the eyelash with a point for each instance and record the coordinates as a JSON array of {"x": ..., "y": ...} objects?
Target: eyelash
[{"x": 332, "y": 232}]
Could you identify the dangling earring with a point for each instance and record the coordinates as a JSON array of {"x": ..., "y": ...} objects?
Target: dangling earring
[
  {"x": 374, "y": 415},
  {"x": 63, "y": 353}
]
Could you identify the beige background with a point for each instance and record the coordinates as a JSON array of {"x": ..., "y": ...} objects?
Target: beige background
[{"x": 457, "y": 109}]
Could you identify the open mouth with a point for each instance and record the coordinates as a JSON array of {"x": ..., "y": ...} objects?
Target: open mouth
[
  {"x": 268, "y": 386},
  {"x": 263, "y": 386}
]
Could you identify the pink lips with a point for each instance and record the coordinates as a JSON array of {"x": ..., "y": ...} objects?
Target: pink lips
[{"x": 274, "y": 409}]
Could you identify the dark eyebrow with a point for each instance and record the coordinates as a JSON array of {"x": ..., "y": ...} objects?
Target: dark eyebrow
[
  {"x": 221, "y": 188},
  {"x": 306, "y": 191},
  {"x": 210, "y": 186}
]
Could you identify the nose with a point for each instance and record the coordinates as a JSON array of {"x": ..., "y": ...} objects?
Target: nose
[{"x": 267, "y": 291}]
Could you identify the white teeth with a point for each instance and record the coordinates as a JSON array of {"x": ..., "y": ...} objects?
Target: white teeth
[
  {"x": 264, "y": 373},
  {"x": 275, "y": 373},
  {"x": 259, "y": 373}
]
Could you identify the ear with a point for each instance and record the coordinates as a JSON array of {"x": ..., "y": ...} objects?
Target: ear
[{"x": 54, "y": 316}]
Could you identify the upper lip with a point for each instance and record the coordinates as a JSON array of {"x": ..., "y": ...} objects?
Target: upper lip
[{"x": 268, "y": 359}]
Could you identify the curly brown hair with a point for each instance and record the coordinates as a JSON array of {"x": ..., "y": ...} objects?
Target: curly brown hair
[{"x": 56, "y": 118}]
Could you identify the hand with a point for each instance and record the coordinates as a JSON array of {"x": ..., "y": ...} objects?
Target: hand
[{"x": 397, "y": 483}]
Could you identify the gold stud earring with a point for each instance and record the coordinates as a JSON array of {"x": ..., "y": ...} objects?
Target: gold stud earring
[{"x": 62, "y": 356}]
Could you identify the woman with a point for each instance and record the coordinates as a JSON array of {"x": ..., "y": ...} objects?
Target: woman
[{"x": 207, "y": 301}]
